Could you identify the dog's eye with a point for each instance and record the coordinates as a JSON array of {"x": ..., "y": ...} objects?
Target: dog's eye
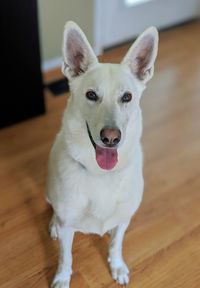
[
  {"x": 127, "y": 97},
  {"x": 91, "y": 95}
]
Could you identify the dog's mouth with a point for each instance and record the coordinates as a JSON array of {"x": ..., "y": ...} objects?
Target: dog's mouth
[{"x": 106, "y": 157}]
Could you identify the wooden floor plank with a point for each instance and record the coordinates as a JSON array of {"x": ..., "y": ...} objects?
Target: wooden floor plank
[{"x": 175, "y": 266}]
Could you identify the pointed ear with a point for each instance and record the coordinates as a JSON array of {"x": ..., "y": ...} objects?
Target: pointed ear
[
  {"x": 142, "y": 54},
  {"x": 77, "y": 52}
]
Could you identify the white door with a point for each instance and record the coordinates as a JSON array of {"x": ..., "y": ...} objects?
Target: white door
[{"x": 116, "y": 21}]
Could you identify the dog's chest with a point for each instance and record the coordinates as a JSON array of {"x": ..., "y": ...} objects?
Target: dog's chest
[
  {"x": 99, "y": 204},
  {"x": 103, "y": 197},
  {"x": 95, "y": 203}
]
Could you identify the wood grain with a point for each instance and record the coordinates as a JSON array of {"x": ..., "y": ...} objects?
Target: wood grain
[{"x": 161, "y": 245}]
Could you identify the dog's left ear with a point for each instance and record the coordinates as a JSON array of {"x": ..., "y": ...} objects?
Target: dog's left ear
[
  {"x": 142, "y": 54},
  {"x": 78, "y": 55}
]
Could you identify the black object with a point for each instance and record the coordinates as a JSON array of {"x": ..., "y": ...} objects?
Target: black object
[
  {"x": 58, "y": 87},
  {"x": 20, "y": 62}
]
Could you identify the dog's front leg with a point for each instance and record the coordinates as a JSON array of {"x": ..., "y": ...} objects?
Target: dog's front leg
[
  {"x": 118, "y": 267},
  {"x": 64, "y": 271}
]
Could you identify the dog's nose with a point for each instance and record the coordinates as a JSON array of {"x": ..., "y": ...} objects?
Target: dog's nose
[{"x": 110, "y": 136}]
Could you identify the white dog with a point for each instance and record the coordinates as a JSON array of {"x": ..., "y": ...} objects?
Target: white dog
[{"x": 95, "y": 181}]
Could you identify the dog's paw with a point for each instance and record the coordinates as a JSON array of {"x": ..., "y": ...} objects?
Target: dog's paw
[
  {"x": 120, "y": 274},
  {"x": 53, "y": 230},
  {"x": 119, "y": 271},
  {"x": 60, "y": 284},
  {"x": 61, "y": 279}
]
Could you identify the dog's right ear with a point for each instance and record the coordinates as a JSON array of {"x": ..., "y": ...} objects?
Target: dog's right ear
[{"x": 78, "y": 55}]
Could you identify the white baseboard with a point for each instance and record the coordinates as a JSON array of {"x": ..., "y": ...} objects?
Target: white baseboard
[{"x": 51, "y": 64}]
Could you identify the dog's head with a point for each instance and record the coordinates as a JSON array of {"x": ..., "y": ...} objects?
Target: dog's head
[{"x": 105, "y": 97}]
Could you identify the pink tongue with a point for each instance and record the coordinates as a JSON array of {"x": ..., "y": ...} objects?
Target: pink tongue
[{"x": 106, "y": 157}]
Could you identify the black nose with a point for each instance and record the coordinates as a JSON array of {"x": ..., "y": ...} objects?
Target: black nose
[{"x": 110, "y": 136}]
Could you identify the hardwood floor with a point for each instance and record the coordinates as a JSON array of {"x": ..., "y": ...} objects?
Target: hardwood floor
[{"x": 162, "y": 244}]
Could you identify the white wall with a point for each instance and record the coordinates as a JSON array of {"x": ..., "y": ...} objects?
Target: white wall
[
  {"x": 121, "y": 23},
  {"x": 105, "y": 22}
]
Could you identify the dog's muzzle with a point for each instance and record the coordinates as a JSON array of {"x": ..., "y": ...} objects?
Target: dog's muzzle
[{"x": 106, "y": 157}]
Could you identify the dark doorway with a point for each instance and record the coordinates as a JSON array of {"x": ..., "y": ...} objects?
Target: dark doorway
[{"x": 21, "y": 89}]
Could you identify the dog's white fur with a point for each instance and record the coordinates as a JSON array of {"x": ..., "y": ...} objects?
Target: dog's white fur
[{"x": 85, "y": 197}]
